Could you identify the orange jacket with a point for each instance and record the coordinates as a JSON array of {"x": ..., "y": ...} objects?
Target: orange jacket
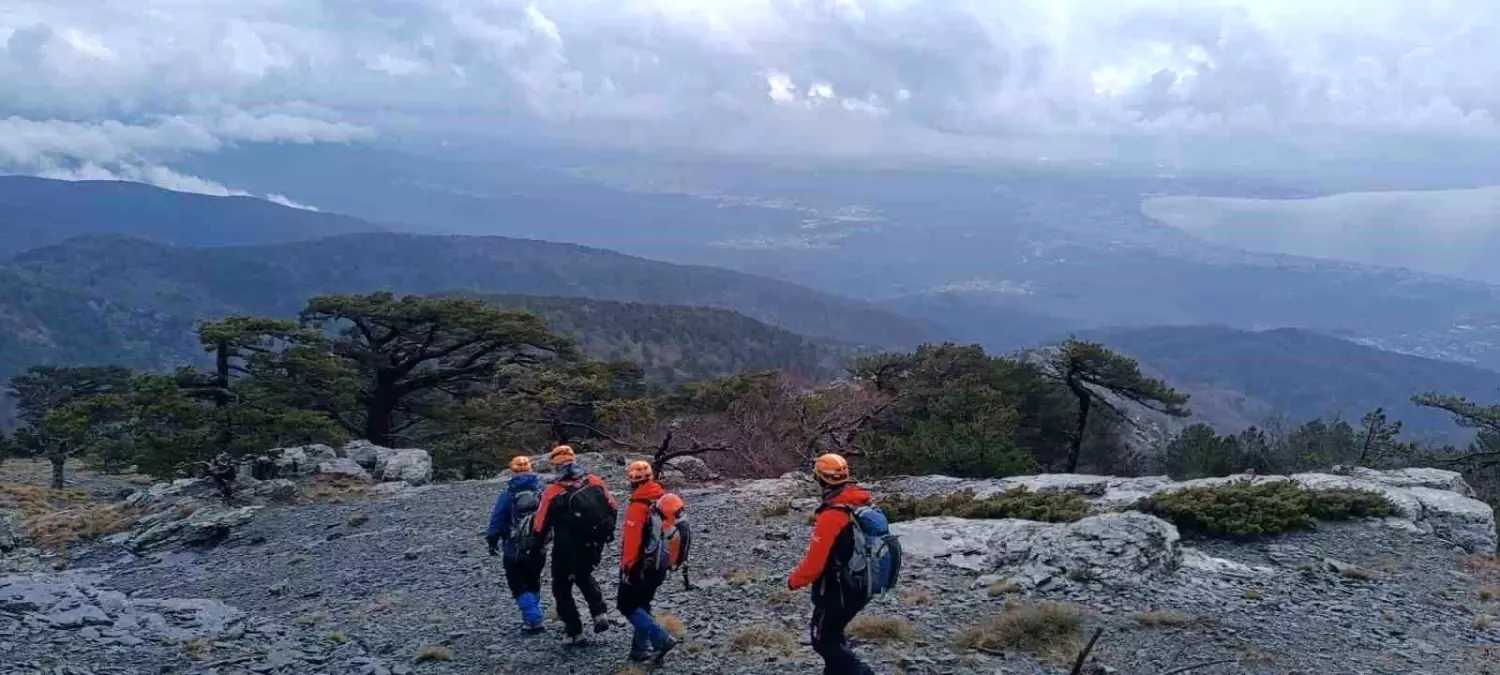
[
  {"x": 830, "y": 524},
  {"x": 637, "y": 516},
  {"x": 555, "y": 488}
]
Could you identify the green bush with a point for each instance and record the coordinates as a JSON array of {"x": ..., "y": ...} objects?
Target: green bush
[
  {"x": 1051, "y": 507},
  {"x": 1347, "y": 503},
  {"x": 1250, "y": 510}
]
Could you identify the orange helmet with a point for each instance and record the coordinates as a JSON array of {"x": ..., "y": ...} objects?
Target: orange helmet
[
  {"x": 520, "y": 464},
  {"x": 639, "y": 472},
  {"x": 831, "y": 469},
  {"x": 562, "y": 454},
  {"x": 671, "y": 505}
]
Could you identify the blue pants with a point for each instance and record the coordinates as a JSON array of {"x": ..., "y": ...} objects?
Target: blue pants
[
  {"x": 524, "y": 576},
  {"x": 634, "y": 601}
]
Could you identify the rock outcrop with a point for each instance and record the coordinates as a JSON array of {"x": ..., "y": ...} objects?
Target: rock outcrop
[
  {"x": 1113, "y": 548},
  {"x": 1432, "y": 501},
  {"x": 74, "y": 602},
  {"x": 343, "y": 467},
  {"x": 412, "y": 466}
]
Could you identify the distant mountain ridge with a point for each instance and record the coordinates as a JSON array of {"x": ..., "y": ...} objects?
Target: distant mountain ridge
[
  {"x": 1240, "y": 378},
  {"x": 37, "y": 212}
]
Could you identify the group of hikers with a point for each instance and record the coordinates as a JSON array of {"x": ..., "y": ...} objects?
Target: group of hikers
[{"x": 851, "y": 557}]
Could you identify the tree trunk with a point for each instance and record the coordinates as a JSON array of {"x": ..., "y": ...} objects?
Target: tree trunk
[
  {"x": 1085, "y": 400},
  {"x": 58, "y": 461},
  {"x": 378, "y": 420},
  {"x": 221, "y": 395}
]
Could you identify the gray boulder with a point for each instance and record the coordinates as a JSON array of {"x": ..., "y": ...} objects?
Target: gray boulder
[
  {"x": 367, "y": 455},
  {"x": 301, "y": 460},
  {"x": 1113, "y": 548},
  {"x": 342, "y": 466},
  {"x": 693, "y": 468},
  {"x": 409, "y": 465},
  {"x": 169, "y": 528}
]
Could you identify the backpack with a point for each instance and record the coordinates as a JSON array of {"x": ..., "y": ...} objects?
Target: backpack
[
  {"x": 583, "y": 509},
  {"x": 666, "y": 543},
  {"x": 523, "y": 508},
  {"x": 874, "y": 566}
]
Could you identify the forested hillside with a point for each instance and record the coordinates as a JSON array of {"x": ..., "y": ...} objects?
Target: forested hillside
[
  {"x": 275, "y": 280},
  {"x": 674, "y": 343},
  {"x": 1240, "y": 377},
  {"x": 37, "y": 212}
]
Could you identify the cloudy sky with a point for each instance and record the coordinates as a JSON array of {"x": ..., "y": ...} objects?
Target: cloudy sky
[{"x": 122, "y": 87}]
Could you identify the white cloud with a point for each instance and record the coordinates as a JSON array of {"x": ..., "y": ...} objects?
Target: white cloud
[
  {"x": 827, "y": 73},
  {"x": 160, "y": 176}
]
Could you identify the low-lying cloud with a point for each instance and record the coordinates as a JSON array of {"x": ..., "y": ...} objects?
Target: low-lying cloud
[{"x": 926, "y": 77}]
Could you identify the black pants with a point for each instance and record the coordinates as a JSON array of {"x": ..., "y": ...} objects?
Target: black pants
[
  {"x": 573, "y": 565},
  {"x": 524, "y": 575},
  {"x": 828, "y": 623},
  {"x": 638, "y": 594}
]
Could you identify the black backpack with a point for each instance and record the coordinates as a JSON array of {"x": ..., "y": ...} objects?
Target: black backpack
[
  {"x": 523, "y": 536},
  {"x": 584, "y": 511}
]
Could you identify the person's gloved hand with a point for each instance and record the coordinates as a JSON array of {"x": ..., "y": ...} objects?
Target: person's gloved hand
[{"x": 494, "y": 543}]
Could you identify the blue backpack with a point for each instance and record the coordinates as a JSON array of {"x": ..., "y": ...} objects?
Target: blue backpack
[{"x": 875, "y": 565}]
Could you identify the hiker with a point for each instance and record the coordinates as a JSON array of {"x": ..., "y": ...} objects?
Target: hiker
[
  {"x": 525, "y": 551},
  {"x": 653, "y": 545},
  {"x": 579, "y": 513},
  {"x": 852, "y": 558},
  {"x": 221, "y": 470}
]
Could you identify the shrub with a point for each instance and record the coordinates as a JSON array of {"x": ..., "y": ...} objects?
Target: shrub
[
  {"x": 1002, "y": 587},
  {"x": 1048, "y": 629},
  {"x": 882, "y": 629},
  {"x": 337, "y": 637},
  {"x": 1248, "y": 510},
  {"x": 1345, "y": 504},
  {"x": 1051, "y": 507},
  {"x": 916, "y": 596},
  {"x": 762, "y": 636}
]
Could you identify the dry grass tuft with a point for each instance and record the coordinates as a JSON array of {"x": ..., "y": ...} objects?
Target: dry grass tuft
[
  {"x": 357, "y": 519},
  {"x": 312, "y": 619},
  {"x": 693, "y": 648},
  {"x": 740, "y": 577},
  {"x": 776, "y": 509},
  {"x": 1166, "y": 618},
  {"x": 434, "y": 653},
  {"x": 199, "y": 649},
  {"x": 1489, "y": 593},
  {"x": 82, "y": 523},
  {"x": 337, "y": 637},
  {"x": 1048, "y": 629},
  {"x": 1253, "y": 656},
  {"x": 762, "y": 637},
  {"x": 296, "y": 559},
  {"x": 1483, "y": 621},
  {"x": 336, "y": 489},
  {"x": 1253, "y": 594},
  {"x": 882, "y": 629},
  {"x": 631, "y": 670},
  {"x": 1002, "y": 587},
  {"x": 673, "y": 625},
  {"x": 781, "y": 597},
  {"x": 916, "y": 596},
  {"x": 1359, "y": 574}
]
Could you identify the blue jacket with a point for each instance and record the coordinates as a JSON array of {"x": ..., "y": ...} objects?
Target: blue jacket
[{"x": 500, "y": 517}]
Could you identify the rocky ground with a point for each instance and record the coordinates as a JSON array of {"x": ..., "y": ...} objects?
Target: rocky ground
[{"x": 343, "y": 578}]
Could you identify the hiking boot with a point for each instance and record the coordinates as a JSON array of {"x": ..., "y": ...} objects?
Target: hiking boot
[
  {"x": 575, "y": 641},
  {"x": 661, "y": 652},
  {"x": 640, "y": 656},
  {"x": 533, "y": 627},
  {"x": 601, "y": 623}
]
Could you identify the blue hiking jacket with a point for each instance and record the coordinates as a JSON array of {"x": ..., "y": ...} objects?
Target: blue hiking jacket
[{"x": 500, "y": 517}]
